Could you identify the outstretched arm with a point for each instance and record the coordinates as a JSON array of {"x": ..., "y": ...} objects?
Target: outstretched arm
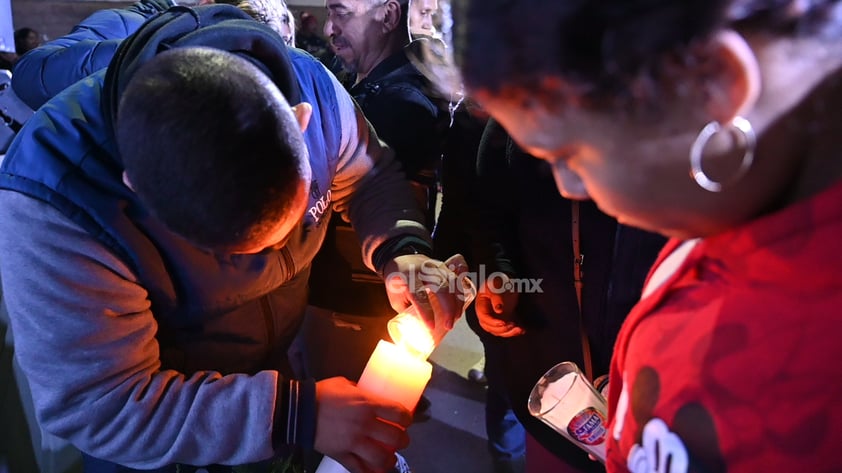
[
  {"x": 45, "y": 71},
  {"x": 373, "y": 193}
]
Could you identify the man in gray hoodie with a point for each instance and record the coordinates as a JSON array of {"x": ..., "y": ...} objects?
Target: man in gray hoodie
[{"x": 158, "y": 222}]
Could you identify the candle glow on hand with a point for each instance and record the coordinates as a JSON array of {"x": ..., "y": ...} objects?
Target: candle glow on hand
[{"x": 398, "y": 371}]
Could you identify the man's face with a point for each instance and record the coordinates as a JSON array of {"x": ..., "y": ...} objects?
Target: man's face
[
  {"x": 421, "y": 15},
  {"x": 355, "y": 29}
]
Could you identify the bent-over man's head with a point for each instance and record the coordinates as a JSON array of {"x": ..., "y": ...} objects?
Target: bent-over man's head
[{"x": 213, "y": 149}]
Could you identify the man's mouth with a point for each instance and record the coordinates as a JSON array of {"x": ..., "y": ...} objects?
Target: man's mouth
[{"x": 337, "y": 45}]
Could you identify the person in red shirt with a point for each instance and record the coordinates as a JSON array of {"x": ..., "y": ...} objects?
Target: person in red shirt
[{"x": 716, "y": 123}]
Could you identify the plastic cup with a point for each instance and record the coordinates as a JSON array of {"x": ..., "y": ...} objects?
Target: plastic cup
[{"x": 566, "y": 401}]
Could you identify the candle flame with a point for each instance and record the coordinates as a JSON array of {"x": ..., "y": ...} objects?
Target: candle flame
[{"x": 411, "y": 333}]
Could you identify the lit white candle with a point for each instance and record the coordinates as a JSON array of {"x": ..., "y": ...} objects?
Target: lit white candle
[
  {"x": 399, "y": 371},
  {"x": 394, "y": 373}
]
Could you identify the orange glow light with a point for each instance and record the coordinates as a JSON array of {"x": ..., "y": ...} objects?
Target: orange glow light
[{"x": 411, "y": 333}]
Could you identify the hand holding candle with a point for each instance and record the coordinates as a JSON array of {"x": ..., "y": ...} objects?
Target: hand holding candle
[
  {"x": 399, "y": 371},
  {"x": 392, "y": 373}
]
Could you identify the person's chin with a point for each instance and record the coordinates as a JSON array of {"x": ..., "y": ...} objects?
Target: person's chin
[
  {"x": 338, "y": 50},
  {"x": 678, "y": 230},
  {"x": 640, "y": 223}
]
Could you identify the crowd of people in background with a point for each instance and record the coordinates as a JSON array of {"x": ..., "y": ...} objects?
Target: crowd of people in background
[{"x": 663, "y": 168}]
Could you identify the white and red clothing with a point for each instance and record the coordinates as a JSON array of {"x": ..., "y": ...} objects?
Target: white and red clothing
[{"x": 730, "y": 362}]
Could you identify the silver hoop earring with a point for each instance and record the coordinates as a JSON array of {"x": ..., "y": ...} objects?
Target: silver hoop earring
[{"x": 697, "y": 151}]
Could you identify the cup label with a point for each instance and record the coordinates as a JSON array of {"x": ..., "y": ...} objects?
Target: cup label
[{"x": 588, "y": 427}]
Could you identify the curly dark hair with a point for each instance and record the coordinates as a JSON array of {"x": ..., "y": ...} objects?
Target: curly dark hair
[
  {"x": 208, "y": 148},
  {"x": 600, "y": 44}
]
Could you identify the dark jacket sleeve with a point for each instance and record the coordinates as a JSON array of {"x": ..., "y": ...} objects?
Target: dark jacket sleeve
[
  {"x": 496, "y": 198},
  {"x": 458, "y": 177},
  {"x": 47, "y": 70}
]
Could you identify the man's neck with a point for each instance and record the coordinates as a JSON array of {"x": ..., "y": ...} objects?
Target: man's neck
[{"x": 392, "y": 45}]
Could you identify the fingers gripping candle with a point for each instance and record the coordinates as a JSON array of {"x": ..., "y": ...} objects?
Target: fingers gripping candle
[
  {"x": 396, "y": 372},
  {"x": 399, "y": 371}
]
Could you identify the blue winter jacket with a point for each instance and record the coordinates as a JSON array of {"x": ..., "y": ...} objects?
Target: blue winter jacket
[
  {"x": 84, "y": 181},
  {"x": 47, "y": 70}
]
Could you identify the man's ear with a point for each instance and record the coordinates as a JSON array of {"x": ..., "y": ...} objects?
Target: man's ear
[
  {"x": 126, "y": 181},
  {"x": 391, "y": 16},
  {"x": 735, "y": 86},
  {"x": 302, "y": 112}
]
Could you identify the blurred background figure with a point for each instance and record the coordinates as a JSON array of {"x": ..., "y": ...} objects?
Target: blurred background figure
[
  {"x": 27, "y": 39},
  {"x": 274, "y": 13},
  {"x": 422, "y": 16},
  {"x": 310, "y": 39}
]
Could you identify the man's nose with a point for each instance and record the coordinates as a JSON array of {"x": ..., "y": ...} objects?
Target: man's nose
[{"x": 327, "y": 29}]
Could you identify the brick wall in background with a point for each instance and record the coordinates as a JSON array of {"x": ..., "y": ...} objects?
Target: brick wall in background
[{"x": 55, "y": 18}]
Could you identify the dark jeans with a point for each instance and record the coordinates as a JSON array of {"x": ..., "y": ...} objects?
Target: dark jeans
[{"x": 506, "y": 435}]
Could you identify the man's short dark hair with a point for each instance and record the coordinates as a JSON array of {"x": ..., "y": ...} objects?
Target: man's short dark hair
[{"x": 207, "y": 148}]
